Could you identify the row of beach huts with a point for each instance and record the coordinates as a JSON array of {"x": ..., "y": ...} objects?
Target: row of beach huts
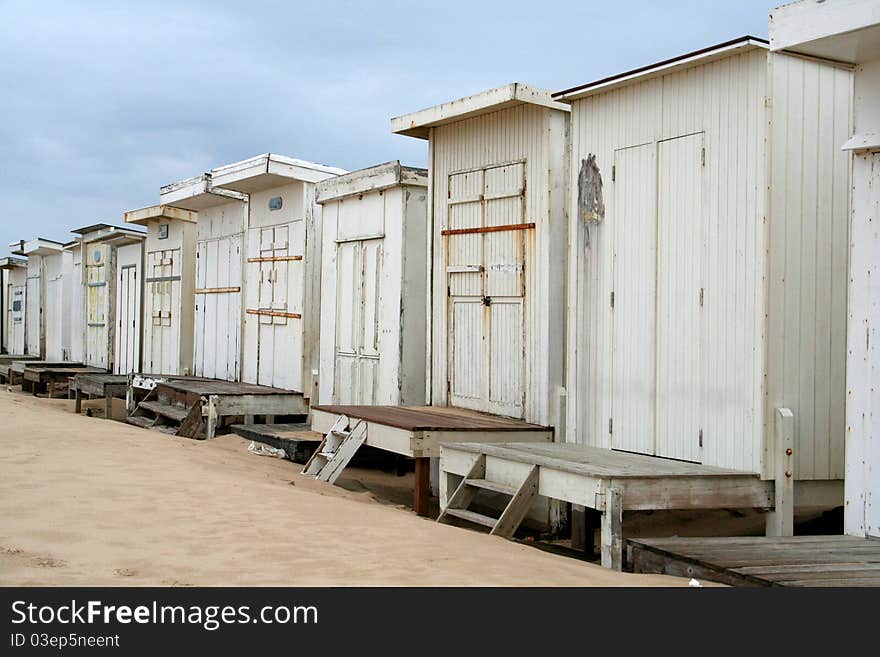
[{"x": 652, "y": 291}]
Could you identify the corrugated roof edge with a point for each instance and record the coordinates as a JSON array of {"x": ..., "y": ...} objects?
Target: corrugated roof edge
[
  {"x": 416, "y": 124},
  {"x": 581, "y": 90},
  {"x": 370, "y": 179}
]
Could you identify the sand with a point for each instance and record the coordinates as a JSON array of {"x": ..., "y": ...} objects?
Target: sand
[{"x": 88, "y": 501}]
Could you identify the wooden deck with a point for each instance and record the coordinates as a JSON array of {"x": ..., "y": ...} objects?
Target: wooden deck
[
  {"x": 12, "y": 367},
  {"x": 297, "y": 439},
  {"x": 101, "y": 385},
  {"x": 802, "y": 561},
  {"x": 201, "y": 406},
  {"x": 605, "y": 480},
  {"x": 417, "y": 432},
  {"x": 53, "y": 378}
]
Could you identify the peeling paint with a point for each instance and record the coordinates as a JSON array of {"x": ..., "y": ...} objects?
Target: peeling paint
[{"x": 591, "y": 205}]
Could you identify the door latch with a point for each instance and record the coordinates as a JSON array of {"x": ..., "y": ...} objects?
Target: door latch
[{"x": 487, "y": 301}]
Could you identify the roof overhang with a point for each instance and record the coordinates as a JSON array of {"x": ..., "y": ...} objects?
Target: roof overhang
[
  {"x": 197, "y": 193},
  {"x": 143, "y": 216},
  {"x": 418, "y": 124},
  {"x": 839, "y": 30},
  {"x": 269, "y": 170},
  {"x": 11, "y": 262},
  {"x": 39, "y": 246},
  {"x": 696, "y": 58},
  {"x": 119, "y": 235},
  {"x": 863, "y": 141},
  {"x": 371, "y": 179}
]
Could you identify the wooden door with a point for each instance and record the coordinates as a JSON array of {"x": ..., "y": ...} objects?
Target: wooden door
[{"x": 218, "y": 308}]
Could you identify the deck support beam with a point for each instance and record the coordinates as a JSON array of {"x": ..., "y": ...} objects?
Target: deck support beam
[
  {"x": 612, "y": 524},
  {"x": 422, "y": 487},
  {"x": 780, "y": 521}
]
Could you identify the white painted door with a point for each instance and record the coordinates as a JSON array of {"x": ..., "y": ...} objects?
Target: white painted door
[
  {"x": 127, "y": 320},
  {"x": 359, "y": 270},
  {"x": 633, "y": 228},
  {"x": 218, "y": 308},
  {"x": 97, "y": 306},
  {"x": 485, "y": 255},
  {"x": 17, "y": 320},
  {"x": 680, "y": 296},
  {"x": 275, "y": 276},
  {"x": 34, "y": 310},
  {"x": 162, "y": 330}
]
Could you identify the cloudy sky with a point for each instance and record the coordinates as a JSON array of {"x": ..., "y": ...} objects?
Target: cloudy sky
[{"x": 103, "y": 102}]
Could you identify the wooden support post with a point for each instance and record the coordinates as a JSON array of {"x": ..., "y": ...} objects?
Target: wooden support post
[
  {"x": 780, "y": 521},
  {"x": 584, "y": 523},
  {"x": 422, "y": 488},
  {"x": 108, "y": 408},
  {"x": 248, "y": 419},
  {"x": 211, "y": 425},
  {"x": 612, "y": 522},
  {"x": 77, "y": 401}
]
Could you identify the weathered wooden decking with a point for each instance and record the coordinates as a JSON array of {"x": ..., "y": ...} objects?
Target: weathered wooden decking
[
  {"x": 418, "y": 431},
  {"x": 101, "y": 385},
  {"x": 12, "y": 367},
  {"x": 199, "y": 406},
  {"x": 605, "y": 480},
  {"x": 802, "y": 561},
  {"x": 297, "y": 439},
  {"x": 53, "y": 378}
]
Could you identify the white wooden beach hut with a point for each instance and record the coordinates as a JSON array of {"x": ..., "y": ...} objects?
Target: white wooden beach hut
[
  {"x": 169, "y": 287},
  {"x": 282, "y": 272},
  {"x": 112, "y": 257},
  {"x": 849, "y": 31},
  {"x": 46, "y": 303},
  {"x": 373, "y": 286},
  {"x": 708, "y": 264},
  {"x": 14, "y": 273},
  {"x": 497, "y": 222}
]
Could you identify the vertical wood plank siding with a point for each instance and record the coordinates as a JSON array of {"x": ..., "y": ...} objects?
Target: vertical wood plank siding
[{"x": 746, "y": 354}]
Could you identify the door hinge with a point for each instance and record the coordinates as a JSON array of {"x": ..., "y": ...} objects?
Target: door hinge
[
  {"x": 612, "y": 298},
  {"x": 448, "y": 387},
  {"x": 703, "y": 156},
  {"x": 701, "y": 437},
  {"x": 702, "y": 290},
  {"x": 611, "y": 425},
  {"x": 613, "y": 173},
  {"x": 448, "y": 291}
]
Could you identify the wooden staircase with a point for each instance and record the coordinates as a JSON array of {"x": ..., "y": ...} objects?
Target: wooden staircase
[
  {"x": 336, "y": 450},
  {"x": 521, "y": 498},
  {"x": 159, "y": 411}
]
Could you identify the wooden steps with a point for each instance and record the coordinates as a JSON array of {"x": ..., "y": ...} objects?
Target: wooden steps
[
  {"x": 336, "y": 449},
  {"x": 473, "y": 516},
  {"x": 170, "y": 411},
  {"x": 140, "y": 421},
  {"x": 521, "y": 498}
]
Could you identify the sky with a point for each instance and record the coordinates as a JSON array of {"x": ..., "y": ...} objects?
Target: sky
[{"x": 101, "y": 103}]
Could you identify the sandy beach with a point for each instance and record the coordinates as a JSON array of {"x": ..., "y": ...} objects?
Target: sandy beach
[{"x": 87, "y": 501}]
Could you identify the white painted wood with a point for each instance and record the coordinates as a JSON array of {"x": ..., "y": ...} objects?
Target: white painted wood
[
  {"x": 780, "y": 522},
  {"x": 14, "y": 281},
  {"x": 127, "y": 301},
  {"x": 465, "y": 139},
  {"x": 844, "y": 30},
  {"x": 772, "y": 273},
  {"x": 373, "y": 287},
  {"x": 100, "y": 261}
]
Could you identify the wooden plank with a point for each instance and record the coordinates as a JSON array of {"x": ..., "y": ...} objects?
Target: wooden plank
[
  {"x": 422, "y": 486},
  {"x": 780, "y": 522},
  {"x": 191, "y": 425},
  {"x": 276, "y": 259},
  {"x": 430, "y": 418},
  {"x": 463, "y": 495},
  {"x": 217, "y": 290},
  {"x": 518, "y": 507},
  {"x": 274, "y": 404},
  {"x": 486, "y": 229},
  {"x": 612, "y": 525},
  {"x": 273, "y": 313}
]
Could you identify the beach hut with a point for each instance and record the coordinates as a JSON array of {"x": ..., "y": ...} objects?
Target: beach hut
[
  {"x": 850, "y": 32},
  {"x": 112, "y": 257},
  {"x": 497, "y": 223},
  {"x": 46, "y": 303},
  {"x": 14, "y": 284},
  {"x": 169, "y": 284},
  {"x": 707, "y": 281},
  {"x": 373, "y": 286},
  {"x": 280, "y": 257}
]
